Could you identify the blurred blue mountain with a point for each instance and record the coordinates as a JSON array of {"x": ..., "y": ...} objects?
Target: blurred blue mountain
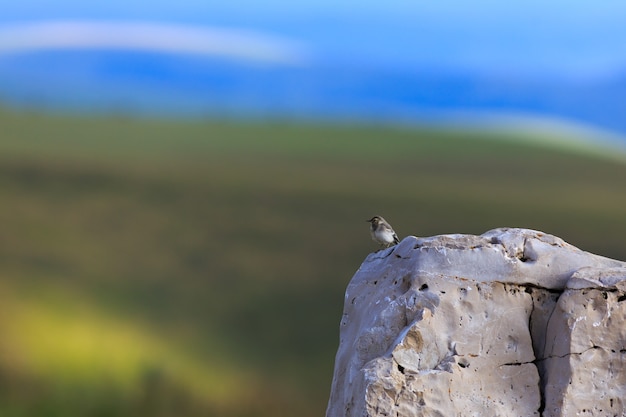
[{"x": 182, "y": 85}]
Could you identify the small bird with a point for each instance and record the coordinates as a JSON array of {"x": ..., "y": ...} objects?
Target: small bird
[{"x": 382, "y": 232}]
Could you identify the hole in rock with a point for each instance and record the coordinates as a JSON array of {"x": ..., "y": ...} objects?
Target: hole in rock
[
  {"x": 463, "y": 363},
  {"x": 401, "y": 368},
  {"x": 424, "y": 287},
  {"x": 621, "y": 298}
]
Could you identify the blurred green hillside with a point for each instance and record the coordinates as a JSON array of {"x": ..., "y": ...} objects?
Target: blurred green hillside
[{"x": 194, "y": 268}]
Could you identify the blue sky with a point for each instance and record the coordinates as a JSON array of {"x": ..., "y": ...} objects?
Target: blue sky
[
  {"x": 576, "y": 39},
  {"x": 562, "y": 59}
]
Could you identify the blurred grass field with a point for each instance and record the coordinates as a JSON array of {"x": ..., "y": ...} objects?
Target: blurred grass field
[{"x": 194, "y": 268}]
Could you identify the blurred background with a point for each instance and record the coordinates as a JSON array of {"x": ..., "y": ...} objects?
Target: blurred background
[{"x": 185, "y": 185}]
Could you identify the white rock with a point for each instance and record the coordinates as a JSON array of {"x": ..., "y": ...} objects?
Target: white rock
[
  {"x": 585, "y": 369},
  {"x": 455, "y": 325}
]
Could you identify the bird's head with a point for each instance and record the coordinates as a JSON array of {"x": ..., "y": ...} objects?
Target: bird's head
[{"x": 375, "y": 220}]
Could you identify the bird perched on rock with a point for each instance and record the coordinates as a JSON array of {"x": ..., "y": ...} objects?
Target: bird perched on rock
[{"x": 382, "y": 232}]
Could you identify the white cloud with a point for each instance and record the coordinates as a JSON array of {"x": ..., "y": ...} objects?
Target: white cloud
[{"x": 167, "y": 38}]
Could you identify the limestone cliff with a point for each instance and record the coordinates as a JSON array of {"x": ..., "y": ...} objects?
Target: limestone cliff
[{"x": 514, "y": 322}]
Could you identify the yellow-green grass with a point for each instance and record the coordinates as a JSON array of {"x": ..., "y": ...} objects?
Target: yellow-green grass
[
  {"x": 135, "y": 251},
  {"x": 67, "y": 342}
]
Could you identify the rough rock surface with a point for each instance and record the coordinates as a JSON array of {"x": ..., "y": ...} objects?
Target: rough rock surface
[{"x": 511, "y": 323}]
